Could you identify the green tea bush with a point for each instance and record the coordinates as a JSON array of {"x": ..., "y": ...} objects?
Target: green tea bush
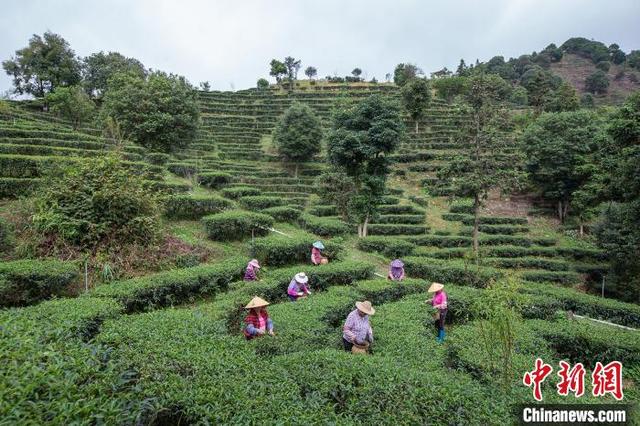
[
  {"x": 468, "y": 219},
  {"x": 24, "y": 282},
  {"x": 214, "y": 180},
  {"x": 450, "y": 273},
  {"x": 195, "y": 206},
  {"x": 283, "y": 213},
  {"x": 278, "y": 250},
  {"x": 324, "y": 210},
  {"x": 182, "y": 169},
  {"x": 441, "y": 241},
  {"x": 321, "y": 277},
  {"x": 324, "y": 227},
  {"x": 559, "y": 277},
  {"x": 396, "y": 229},
  {"x": 157, "y": 158},
  {"x": 6, "y": 236},
  {"x": 172, "y": 287},
  {"x": 498, "y": 230},
  {"x": 259, "y": 202},
  {"x": 236, "y": 224},
  {"x": 240, "y": 191},
  {"x": 462, "y": 206},
  {"x": 387, "y": 246},
  {"x": 527, "y": 263},
  {"x": 402, "y": 219},
  {"x": 443, "y": 253},
  {"x": 400, "y": 209},
  {"x": 16, "y": 187}
]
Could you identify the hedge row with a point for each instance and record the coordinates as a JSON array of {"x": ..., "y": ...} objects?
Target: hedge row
[
  {"x": 157, "y": 158},
  {"x": 324, "y": 210},
  {"x": 400, "y": 219},
  {"x": 468, "y": 219},
  {"x": 240, "y": 191},
  {"x": 325, "y": 227},
  {"x": 278, "y": 250},
  {"x": 527, "y": 263},
  {"x": 451, "y": 273},
  {"x": 462, "y": 206},
  {"x": 259, "y": 202},
  {"x": 195, "y": 206},
  {"x": 289, "y": 214},
  {"x": 167, "y": 288},
  {"x": 24, "y": 282},
  {"x": 400, "y": 209},
  {"x": 496, "y": 230},
  {"x": 236, "y": 224},
  {"x": 559, "y": 277},
  {"x": 214, "y": 179},
  {"x": 396, "y": 229},
  {"x": 388, "y": 246},
  {"x": 443, "y": 253}
]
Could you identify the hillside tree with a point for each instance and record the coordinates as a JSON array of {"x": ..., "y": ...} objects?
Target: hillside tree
[
  {"x": 262, "y": 84},
  {"x": 448, "y": 88},
  {"x": 48, "y": 62},
  {"x": 311, "y": 72},
  {"x": 298, "y": 134},
  {"x": 362, "y": 137},
  {"x": 99, "y": 67},
  {"x": 278, "y": 70},
  {"x": 597, "y": 83},
  {"x": 565, "y": 98},
  {"x": 205, "y": 86},
  {"x": 484, "y": 126},
  {"x": 405, "y": 72},
  {"x": 293, "y": 66},
  {"x": 416, "y": 96},
  {"x": 72, "y": 103},
  {"x": 160, "y": 112}
]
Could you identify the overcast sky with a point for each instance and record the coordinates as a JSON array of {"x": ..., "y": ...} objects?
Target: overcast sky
[{"x": 230, "y": 43}]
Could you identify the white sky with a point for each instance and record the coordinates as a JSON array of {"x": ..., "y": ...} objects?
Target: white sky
[{"x": 230, "y": 42}]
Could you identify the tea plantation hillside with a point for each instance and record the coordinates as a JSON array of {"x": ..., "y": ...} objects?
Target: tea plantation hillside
[{"x": 161, "y": 343}]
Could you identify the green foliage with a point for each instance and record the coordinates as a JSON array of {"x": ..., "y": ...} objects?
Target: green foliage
[
  {"x": 71, "y": 103},
  {"x": 450, "y": 87},
  {"x": 157, "y": 158},
  {"x": 559, "y": 277},
  {"x": 325, "y": 227},
  {"x": 565, "y": 98},
  {"x": 277, "y": 250},
  {"x": 396, "y": 229},
  {"x": 99, "y": 67},
  {"x": 259, "y": 202},
  {"x": 262, "y": 84},
  {"x": 388, "y": 246},
  {"x": 283, "y": 213},
  {"x": 278, "y": 69},
  {"x": 591, "y": 49},
  {"x": 597, "y": 83},
  {"x": 448, "y": 272},
  {"x": 160, "y": 112},
  {"x": 587, "y": 101},
  {"x": 24, "y": 282},
  {"x": 311, "y": 72},
  {"x": 539, "y": 83},
  {"x": 214, "y": 180},
  {"x": 527, "y": 263},
  {"x": 195, "y": 206},
  {"x": 603, "y": 65},
  {"x": 7, "y": 238},
  {"x": 298, "y": 133},
  {"x": 236, "y": 224},
  {"x": 44, "y": 65},
  {"x": 167, "y": 288},
  {"x": 519, "y": 96},
  {"x": 240, "y": 191},
  {"x": 416, "y": 96},
  {"x": 405, "y": 72},
  {"x": 633, "y": 59},
  {"x": 97, "y": 202}
]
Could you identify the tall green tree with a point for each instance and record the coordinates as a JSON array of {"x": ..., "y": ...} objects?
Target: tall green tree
[
  {"x": 565, "y": 98},
  {"x": 293, "y": 66},
  {"x": 46, "y": 63},
  {"x": 362, "y": 136},
  {"x": 449, "y": 88},
  {"x": 71, "y": 103},
  {"x": 597, "y": 83},
  {"x": 405, "y": 72},
  {"x": 100, "y": 67},
  {"x": 416, "y": 96},
  {"x": 311, "y": 72},
  {"x": 298, "y": 134},
  {"x": 278, "y": 70},
  {"x": 160, "y": 111},
  {"x": 558, "y": 147},
  {"x": 484, "y": 127},
  {"x": 538, "y": 83}
]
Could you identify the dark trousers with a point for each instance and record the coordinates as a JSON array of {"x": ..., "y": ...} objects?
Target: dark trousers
[
  {"x": 439, "y": 323},
  {"x": 347, "y": 345}
]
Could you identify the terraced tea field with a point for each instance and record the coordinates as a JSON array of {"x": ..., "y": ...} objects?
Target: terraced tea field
[{"x": 167, "y": 347}]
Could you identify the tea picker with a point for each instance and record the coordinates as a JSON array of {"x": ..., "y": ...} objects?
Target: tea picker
[
  {"x": 357, "y": 334},
  {"x": 439, "y": 302}
]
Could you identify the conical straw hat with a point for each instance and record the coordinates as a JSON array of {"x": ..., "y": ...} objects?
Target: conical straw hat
[
  {"x": 365, "y": 307},
  {"x": 254, "y": 263},
  {"x": 435, "y": 287},
  {"x": 256, "y": 302}
]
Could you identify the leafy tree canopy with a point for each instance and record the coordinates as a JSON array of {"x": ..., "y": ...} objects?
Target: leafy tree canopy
[
  {"x": 72, "y": 103},
  {"x": 298, "y": 133},
  {"x": 100, "y": 67},
  {"x": 405, "y": 72}
]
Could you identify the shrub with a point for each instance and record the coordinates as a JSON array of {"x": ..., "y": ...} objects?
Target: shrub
[
  {"x": 443, "y": 253},
  {"x": 322, "y": 210},
  {"x": 167, "y": 288},
  {"x": 598, "y": 82},
  {"x": 401, "y": 219},
  {"x": 450, "y": 273},
  {"x": 325, "y": 227},
  {"x": 214, "y": 179},
  {"x": 97, "y": 202},
  {"x": 278, "y": 250},
  {"x": 157, "y": 158},
  {"x": 528, "y": 263},
  {"x": 16, "y": 187},
  {"x": 23, "y": 282},
  {"x": 396, "y": 229},
  {"x": 565, "y": 278},
  {"x": 603, "y": 65},
  {"x": 259, "y": 202},
  {"x": 468, "y": 219},
  {"x": 182, "y": 169},
  {"x": 388, "y": 246},
  {"x": 6, "y": 236},
  {"x": 498, "y": 230},
  {"x": 401, "y": 209},
  {"x": 195, "y": 206},
  {"x": 462, "y": 206},
  {"x": 283, "y": 213},
  {"x": 240, "y": 191},
  {"x": 236, "y": 224},
  {"x": 441, "y": 241}
]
